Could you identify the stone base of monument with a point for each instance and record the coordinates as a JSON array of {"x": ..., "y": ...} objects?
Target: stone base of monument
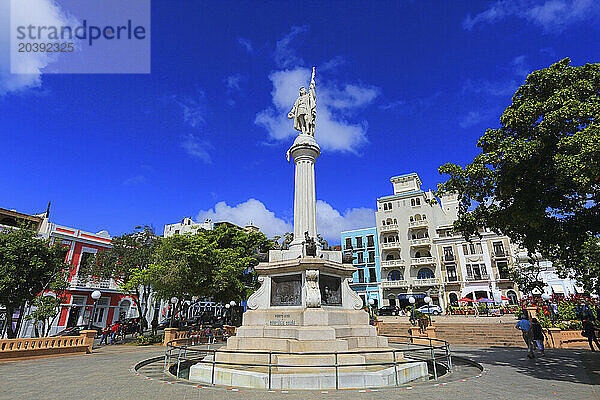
[
  {"x": 318, "y": 379},
  {"x": 317, "y": 333}
]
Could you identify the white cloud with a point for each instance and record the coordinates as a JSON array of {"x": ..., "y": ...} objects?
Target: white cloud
[
  {"x": 471, "y": 119},
  {"x": 250, "y": 211},
  {"x": 197, "y": 147},
  {"x": 335, "y": 106},
  {"x": 246, "y": 44},
  {"x": 550, "y": 15},
  {"x": 520, "y": 66},
  {"x": 36, "y": 12},
  {"x": 193, "y": 110},
  {"x": 493, "y": 88},
  {"x": 285, "y": 55},
  {"x": 233, "y": 81},
  {"x": 330, "y": 222}
]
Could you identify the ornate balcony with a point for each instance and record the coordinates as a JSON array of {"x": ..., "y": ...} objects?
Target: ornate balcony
[
  {"x": 106, "y": 284},
  {"x": 393, "y": 263},
  {"x": 420, "y": 242},
  {"x": 389, "y": 228},
  {"x": 387, "y": 284},
  {"x": 482, "y": 277},
  {"x": 390, "y": 245},
  {"x": 426, "y": 282},
  {"x": 422, "y": 261},
  {"x": 418, "y": 224}
]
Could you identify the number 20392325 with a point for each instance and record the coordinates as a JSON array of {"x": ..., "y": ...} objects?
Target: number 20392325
[{"x": 45, "y": 47}]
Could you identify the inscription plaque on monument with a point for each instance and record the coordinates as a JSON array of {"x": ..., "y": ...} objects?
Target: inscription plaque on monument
[
  {"x": 286, "y": 290},
  {"x": 331, "y": 291}
]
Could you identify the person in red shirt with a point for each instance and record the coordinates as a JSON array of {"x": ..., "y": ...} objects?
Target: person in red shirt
[{"x": 114, "y": 331}]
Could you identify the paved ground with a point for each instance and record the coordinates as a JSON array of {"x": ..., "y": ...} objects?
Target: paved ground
[{"x": 105, "y": 374}]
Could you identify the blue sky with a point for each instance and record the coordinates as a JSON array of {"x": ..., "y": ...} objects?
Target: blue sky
[{"x": 401, "y": 86}]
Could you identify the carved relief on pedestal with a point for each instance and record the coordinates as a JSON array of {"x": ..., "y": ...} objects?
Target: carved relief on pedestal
[
  {"x": 350, "y": 297},
  {"x": 313, "y": 294},
  {"x": 257, "y": 298}
]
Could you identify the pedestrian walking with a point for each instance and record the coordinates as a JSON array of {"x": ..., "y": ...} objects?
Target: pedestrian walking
[
  {"x": 538, "y": 335},
  {"x": 525, "y": 326},
  {"x": 105, "y": 334},
  {"x": 589, "y": 331},
  {"x": 154, "y": 325},
  {"x": 114, "y": 330}
]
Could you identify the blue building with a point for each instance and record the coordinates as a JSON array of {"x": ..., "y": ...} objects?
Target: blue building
[{"x": 364, "y": 246}]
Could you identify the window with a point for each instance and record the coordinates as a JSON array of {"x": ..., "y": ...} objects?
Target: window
[
  {"x": 498, "y": 249},
  {"x": 177, "y": 231},
  {"x": 476, "y": 272},
  {"x": 513, "y": 299},
  {"x": 465, "y": 250},
  {"x": 503, "y": 269},
  {"x": 361, "y": 275},
  {"x": 453, "y": 298},
  {"x": 471, "y": 248},
  {"x": 424, "y": 217},
  {"x": 425, "y": 273},
  {"x": 360, "y": 258},
  {"x": 348, "y": 243},
  {"x": 359, "y": 242},
  {"x": 412, "y": 218},
  {"x": 372, "y": 275},
  {"x": 370, "y": 241},
  {"x": 85, "y": 257},
  {"x": 448, "y": 254},
  {"x": 387, "y": 206},
  {"x": 371, "y": 257},
  {"x": 395, "y": 275},
  {"x": 412, "y": 202},
  {"x": 451, "y": 273}
]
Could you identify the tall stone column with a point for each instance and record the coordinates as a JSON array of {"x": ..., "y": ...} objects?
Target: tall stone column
[{"x": 304, "y": 151}]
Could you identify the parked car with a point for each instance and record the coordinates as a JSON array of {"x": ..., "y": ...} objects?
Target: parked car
[
  {"x": 430, "y": 309},
  {"x": 388, "y": 310},
  {"x": 75, "y": 330}
]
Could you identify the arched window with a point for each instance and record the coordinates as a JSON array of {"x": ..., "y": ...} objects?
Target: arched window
[
  {"x": 411, "y": 218},
  {"x": 395, "y": 221},
  {"x": 395, "y": 275},
  {"x": 390, "y": 256},
  {"x": 512, "y": 296},
  {"x": 412, "y": 202},
  {"x": 417, "y": 217},
  {"x": 425, "y": 273},
  {"x": 389, "y": 221},
  {"x": 424, "y": 217},
  {"x": 124, "y": 309},
  {"x": 453, "y": 298},
  {"x": 418, "y": 254}
]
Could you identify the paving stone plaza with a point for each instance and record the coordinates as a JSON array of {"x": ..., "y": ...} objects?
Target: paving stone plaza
[{"x": 107, "y": 374}]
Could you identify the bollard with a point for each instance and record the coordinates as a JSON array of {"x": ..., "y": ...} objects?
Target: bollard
[
  {"x": 395, "y": 367},
  {"x": 337, "y": 383},
  {"x": 270, "y": 370}
]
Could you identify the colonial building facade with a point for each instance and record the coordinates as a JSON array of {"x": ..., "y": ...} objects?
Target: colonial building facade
[
  {"x": 364, "y": 246},
  {"x": 420, "y": 256}
]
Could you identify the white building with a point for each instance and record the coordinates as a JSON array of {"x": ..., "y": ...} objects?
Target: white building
[{"x": 420, "y": 256}]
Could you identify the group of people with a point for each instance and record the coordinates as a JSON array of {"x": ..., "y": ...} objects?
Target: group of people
[
  {"x": 534, "y": 335},
  {"x": 113, "y": 331}
]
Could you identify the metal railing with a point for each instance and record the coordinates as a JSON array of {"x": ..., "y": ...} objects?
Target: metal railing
[{"x": 435, "y": 352}]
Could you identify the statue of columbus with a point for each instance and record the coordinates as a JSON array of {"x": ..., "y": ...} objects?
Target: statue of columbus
[{"x": 304, "y": 111}]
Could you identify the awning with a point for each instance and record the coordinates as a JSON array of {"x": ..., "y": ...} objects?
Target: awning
[{"x": 558, "y": 289}]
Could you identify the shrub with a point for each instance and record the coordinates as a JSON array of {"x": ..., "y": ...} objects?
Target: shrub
[{"x": 145, "y": 340}]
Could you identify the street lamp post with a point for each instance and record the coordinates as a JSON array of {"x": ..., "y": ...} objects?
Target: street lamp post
[
  {"x": 227, "y": 306},
  {"x": 173, "y": 302},
  {"x": 427, "y": 300},
  {"x": 95, "y": 296},
  {"x": 371, "y": 313},
  {"x": 232, "y": 303},
  {"x": 411, "y": 300}
]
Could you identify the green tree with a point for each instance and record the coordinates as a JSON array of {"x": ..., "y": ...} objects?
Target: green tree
[
  {"x": 129, "y": 262},
  {"x": 537, "y": 178},
  {"x": 211, "y": 264},
  {"x": 28, "y": 267}
]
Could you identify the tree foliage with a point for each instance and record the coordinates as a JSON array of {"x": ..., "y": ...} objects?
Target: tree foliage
[
  {"x": 537, "y": 178},
  {"x": 209, "y": 264},
  {"x": 129, "y": 261},
  {"x": 28, "y": 267}
]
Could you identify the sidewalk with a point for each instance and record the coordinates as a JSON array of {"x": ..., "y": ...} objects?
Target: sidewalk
[{"x": 561, "y": 374}]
